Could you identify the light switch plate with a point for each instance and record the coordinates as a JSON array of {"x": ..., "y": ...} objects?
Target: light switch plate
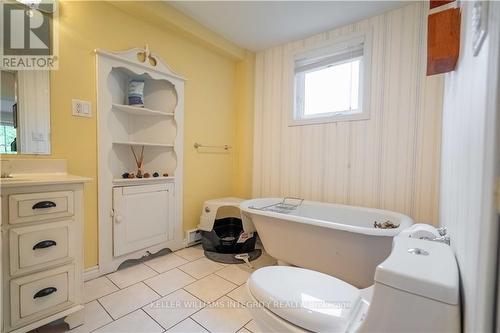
[
  {"x": 81, "y": 108},
  {"x": 37, "y": 136}
]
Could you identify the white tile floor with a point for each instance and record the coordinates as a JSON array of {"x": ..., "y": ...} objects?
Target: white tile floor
[{"x": 179, "y": 292}]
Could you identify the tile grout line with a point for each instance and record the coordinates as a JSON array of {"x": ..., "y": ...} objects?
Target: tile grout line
[
  {"x": 112, "y": 292},
  {"x": 139, "y": 308},
  {"x": 147, "y": 314},
  {"x": 245, "y": 326},
  {"x": 159, "y": 296},
  {"x": 188, "y": 261},
  {"x": 204, "y": 276},
  {"x": 239, "y": 285},
  {"x": 107, "y": 276},
  {"x": 114, "y": 284},
  {"x": 110, "y": 316},
  {"x": 102, "y": 306},
  {"x": 168, "y": 270},
  {"x": 203, "y": 307},
  {"x": 230, "y": 299},
  {"x": 206, "y": 303},
  {"x": 122, "y": 289},
  {"x": 190, "y": 317},
  {"x": 217, "y": 298},
  {"x": 239, "y": 329}
]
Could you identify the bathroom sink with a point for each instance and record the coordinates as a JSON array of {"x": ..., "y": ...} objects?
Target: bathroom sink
[{"x": 13, "y": 179}]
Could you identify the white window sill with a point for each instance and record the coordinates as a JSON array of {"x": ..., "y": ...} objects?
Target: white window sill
[{"x": 328, "y": 119}]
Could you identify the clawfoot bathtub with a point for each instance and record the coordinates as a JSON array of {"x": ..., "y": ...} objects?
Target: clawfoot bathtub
[{"x": 334, "y": 239}]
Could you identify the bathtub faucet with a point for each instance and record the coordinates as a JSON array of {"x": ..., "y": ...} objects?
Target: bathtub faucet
[
  {"x": 442, "y": 231},
  {"x": 443, "y": 236},
  {"x": 443, "y": 239}
]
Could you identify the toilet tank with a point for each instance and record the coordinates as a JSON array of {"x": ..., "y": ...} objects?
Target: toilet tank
[{"x": 416, "y": 290}]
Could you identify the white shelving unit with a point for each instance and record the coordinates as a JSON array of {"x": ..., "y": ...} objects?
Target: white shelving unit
[
  {"x": 141, "y": 181},
  {"x": 158, "y": 127},
  {"x": 138, "y": 111},
  {"x": 145, "y": 144}
]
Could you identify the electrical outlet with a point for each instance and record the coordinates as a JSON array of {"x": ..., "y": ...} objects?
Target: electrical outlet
[{"x": 81, "y": 108}]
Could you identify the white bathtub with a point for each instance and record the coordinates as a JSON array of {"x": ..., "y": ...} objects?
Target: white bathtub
[{"x": 334, "y": 239}]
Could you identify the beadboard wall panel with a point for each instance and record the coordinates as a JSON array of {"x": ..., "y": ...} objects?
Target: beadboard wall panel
[
  {"x": 470, "y": 165},
  {"x": 390, "y": 161}
]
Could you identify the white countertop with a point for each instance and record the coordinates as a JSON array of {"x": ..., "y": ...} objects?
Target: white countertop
[{"x": 41, "y": 179}]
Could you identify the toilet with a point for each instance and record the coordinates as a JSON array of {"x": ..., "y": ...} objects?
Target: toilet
[{"x": 416, "y": 289}]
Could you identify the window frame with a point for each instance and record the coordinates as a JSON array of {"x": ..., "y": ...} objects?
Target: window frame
[{"x": 325, "y": 49}]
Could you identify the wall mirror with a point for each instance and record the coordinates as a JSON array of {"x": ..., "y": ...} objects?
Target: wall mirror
[{"x": 25, "y": 112}]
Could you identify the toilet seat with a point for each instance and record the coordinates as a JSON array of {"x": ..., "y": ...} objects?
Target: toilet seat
[{"x": 307, "y": 299}]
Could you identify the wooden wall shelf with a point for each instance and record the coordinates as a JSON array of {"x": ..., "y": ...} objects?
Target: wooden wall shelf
[{"x": 443, "y": 41}]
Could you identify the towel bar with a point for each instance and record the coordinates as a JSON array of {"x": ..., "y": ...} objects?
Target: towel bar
[{"x": 197, "y": 145}]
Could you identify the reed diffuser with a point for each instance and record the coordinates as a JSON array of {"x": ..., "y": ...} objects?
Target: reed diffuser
[{"x": 139, "y": 161}]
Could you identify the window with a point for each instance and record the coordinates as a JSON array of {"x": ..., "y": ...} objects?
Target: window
[
  {"x": 329, "y": 82},
  {"x": 7, "y": 137}
]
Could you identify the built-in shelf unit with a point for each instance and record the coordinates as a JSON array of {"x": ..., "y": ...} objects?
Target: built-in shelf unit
[
  {"x": 157, "y": 128},
  {"x": 140, "y": 111},
  {"x": 141, "y": 181}
]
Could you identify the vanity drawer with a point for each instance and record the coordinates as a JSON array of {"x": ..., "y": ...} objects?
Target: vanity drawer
[
  {"x": 41, "y": 294},
  {"x": 39, "y": 245},
  {"x": 40, "y": 206}
]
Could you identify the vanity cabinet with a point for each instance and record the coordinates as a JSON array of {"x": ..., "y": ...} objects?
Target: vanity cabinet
[{"x": 42, "y": 254}]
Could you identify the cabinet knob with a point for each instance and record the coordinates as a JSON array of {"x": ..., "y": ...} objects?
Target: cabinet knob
[{"x": 118, "y": 218}]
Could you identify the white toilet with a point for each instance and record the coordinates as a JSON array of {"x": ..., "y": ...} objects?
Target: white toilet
[{"x": 416, "y": 289}]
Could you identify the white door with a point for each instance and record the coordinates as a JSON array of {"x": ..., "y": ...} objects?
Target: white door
[{"x": 143, "y": 217}]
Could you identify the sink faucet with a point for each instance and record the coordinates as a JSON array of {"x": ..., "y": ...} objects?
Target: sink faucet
[
  {"x": 6, "y": 169},
  {"x": 443, "y": 239}
]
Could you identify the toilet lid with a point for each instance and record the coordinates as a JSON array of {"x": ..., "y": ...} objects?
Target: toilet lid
[{"x": 314, "y": 301}]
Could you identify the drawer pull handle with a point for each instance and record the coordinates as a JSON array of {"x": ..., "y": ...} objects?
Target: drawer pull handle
[
  {"x": 45, "y": 292},
  {"x": 44, "y": 244},
  {"x": 44, "y": 205}
]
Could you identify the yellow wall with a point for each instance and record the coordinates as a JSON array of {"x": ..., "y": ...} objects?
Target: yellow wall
[
  {"x": 213, "y": 113},
  {"x": 245, "y": 75}
]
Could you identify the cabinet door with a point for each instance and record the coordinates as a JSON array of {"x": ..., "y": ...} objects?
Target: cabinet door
[{"x": 141, "y": 217}]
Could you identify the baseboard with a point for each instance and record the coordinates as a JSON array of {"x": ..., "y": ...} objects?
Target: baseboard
[{"x": 91, "y": 273}]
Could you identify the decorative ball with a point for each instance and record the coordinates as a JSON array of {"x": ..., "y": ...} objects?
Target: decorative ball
[
  {"x": 147, "y": 175},
  {"x": 125, "y": 175},
  {"x": 165, "y": 174},
  {"x": 131, "y": 175},
  {"x": 156, "y": 174}
]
